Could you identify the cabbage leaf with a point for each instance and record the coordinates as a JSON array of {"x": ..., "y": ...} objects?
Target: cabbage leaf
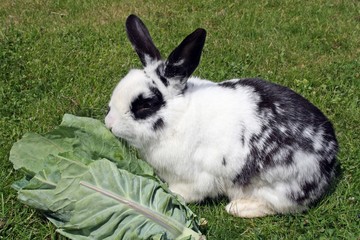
[{"x": 90, "y": 185}]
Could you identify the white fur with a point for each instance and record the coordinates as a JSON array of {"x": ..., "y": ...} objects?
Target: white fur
[
  {"x": 200, "y": 130},
  {"x": 204, "y": 142}
]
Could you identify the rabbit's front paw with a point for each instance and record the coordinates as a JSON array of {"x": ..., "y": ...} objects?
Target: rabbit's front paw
[{"x": 249, "y": 208}]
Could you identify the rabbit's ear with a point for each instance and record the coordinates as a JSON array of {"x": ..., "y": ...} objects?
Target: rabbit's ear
[
  {"x": 183, "y": 61},
  {"x": 141, "y": 40}
]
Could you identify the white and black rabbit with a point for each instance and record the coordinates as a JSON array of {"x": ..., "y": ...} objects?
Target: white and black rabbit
[{"x": 265, "y": 147}]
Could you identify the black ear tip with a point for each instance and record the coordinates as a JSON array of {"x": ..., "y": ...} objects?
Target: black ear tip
[
  {"x": 132, "y": 19},
  {"x": 200, "y": 33}
]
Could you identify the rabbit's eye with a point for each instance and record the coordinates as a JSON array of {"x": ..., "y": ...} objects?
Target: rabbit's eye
[
  {"x": 108, "y": 110},
  {"x": 144, "y": 107},
  {"x": 147, "y": 104}
]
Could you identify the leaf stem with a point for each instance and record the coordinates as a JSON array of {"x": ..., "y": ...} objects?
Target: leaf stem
[{"x": 174, "y": 227}]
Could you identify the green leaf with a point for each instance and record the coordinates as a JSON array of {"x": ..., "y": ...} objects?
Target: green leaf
[
  {"x": 45, "y": 191},
  {"x": 30, "y": 152},
  {"x": 73, "y": 177},
  {"x": 100, "y": 201},
  {"x": 85, "y": 138},
  {"x": 125, "y": 205}
]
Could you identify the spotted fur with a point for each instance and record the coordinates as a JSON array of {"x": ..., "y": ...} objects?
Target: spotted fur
[{"x": 265, "y": 147}]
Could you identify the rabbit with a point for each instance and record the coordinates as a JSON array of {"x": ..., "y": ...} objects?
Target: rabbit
[{"x": 261, "y": 145}]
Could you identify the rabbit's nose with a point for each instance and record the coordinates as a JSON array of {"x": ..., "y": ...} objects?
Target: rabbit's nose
[{"x": 108, "y": 122}]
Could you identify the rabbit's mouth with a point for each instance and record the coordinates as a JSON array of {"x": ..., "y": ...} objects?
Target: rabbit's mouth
[
  {"x": 124, "y": 142},
  {"x": 129, "y": 138}
]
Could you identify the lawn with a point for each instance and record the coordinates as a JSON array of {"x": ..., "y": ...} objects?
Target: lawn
[{"x": 61, "y": 57}]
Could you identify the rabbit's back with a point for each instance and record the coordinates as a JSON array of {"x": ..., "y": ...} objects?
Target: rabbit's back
[{"x": 296, "y": 145}]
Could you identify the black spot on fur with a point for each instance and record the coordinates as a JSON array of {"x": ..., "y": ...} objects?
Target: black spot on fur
[
  {"x": 289, "y": 158},
  {"x": 224, "y": 161},
  {"x": 228, "y": 84},
  {"x": 243, "y": 138},
  {"x": 306, "y": 192},
  {"x": 311, "y": 190},
  {"x": 327, "y": 167},
  {"x": 159, "y": 124},
  {"x": 183, "y": 91},
  {"x": 267, "y": 92},
  {"x": 143, "y": 107},
  {"x": 307, "y": 144},
  {"x": 270, "y": 142},
  {"x": 248, "y": 171},
  {"x": 162, "y": 78}
]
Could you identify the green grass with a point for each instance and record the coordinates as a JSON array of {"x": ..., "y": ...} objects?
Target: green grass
[{"x": 61, "y": 57}]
